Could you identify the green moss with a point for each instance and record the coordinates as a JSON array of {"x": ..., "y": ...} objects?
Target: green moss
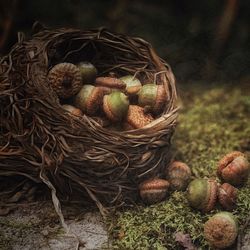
[{"x": 213, "y": 121}]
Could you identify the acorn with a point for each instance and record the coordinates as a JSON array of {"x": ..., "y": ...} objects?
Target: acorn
[
  {"x": 221, "y": 230},
  {"x": 153, "y": 97},
  {"x": 110, "y": 82},
  {"x": 89, "y": 99},
  {"x": 65, "y": 79},
  {"x": 133, "y": 85},
  {"x": 227, "y": 195},
  {"x": 88, "y": 72},
  {"x": 115, "y": 106},
  {"x": 178, "y": 175},
  {"x": 153, "y": 190},
  {"x": 72, "y": 110},
  {"x": 234, "y": 168},
  {"x": 202, "y": 194},
  {"x": 136, "y": 117}
]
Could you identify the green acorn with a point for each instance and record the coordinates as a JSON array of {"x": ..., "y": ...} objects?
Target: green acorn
[
  {"x": 88, "y": 72},
  {"x": 133, "y": 85}
]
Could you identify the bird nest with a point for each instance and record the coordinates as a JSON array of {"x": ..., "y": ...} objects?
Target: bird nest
[{"x": 76, "y": 157}]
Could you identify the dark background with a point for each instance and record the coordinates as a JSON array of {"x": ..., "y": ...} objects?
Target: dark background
[{"x": 199, "y": 39}]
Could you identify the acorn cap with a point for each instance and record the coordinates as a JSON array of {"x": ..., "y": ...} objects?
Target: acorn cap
[
  {"x": 133, "y": 85},
  {"x": 227, "y": 195},
  {"x": 115, "y": 106},
  {"x": 221, "y": 230},
  {"x": 110, "y": 82},
  {"x": 137, "y": 118},
  {"x": 88, "y": 72},
  {"x": 65, "y": 79},
  {"x": 72, "y": 110}
]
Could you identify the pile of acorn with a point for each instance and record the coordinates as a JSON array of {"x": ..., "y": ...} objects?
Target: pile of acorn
[
  {"x": 124, "y": 103},
  {"x": 233, "y": 170}
]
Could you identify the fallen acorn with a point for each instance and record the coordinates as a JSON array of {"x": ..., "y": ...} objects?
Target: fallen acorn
[
  {"x": 227, "y": 196},
  {"x": 110, "y": 82},
  {"x": 153, "y": 190},
  {"x": 221, "y": 230},
  {"x": 88, "y": 72},
  {"x": 72, "y": 110},
  {"x": 89, "y": 99},
  {"x": 202, "y": 194},
  {"x": 65, "y": 79},
  {"x": 133, "y": 85},
  {"x": 115, "y": 106},
  {"x": 234, "y": 168},
  {"x": 178, "y": 174},
  {"x": 153, "y": 97},
  {"x": 136, "y": 117}
]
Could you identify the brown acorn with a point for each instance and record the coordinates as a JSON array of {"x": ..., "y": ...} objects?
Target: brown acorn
[
  {"x": 88, "y": 72},
  {"x": 65, "y": 79},
  {"x": 153, "y": 190},
  {"x": 115, "y": 106},
  {"x": 136, "y": 117},
  {"x": 202, "y": 194},
  {"x": 221, "y": 230},
  {"x": 234, "y": 168},
  {"x": 178, "y": 175},
  {"x": 89, "y": 99},
  {"x": 110, "y": 82},
  {"x": 72, "y": 110},
  {"x": 153, "y": 97},
  {"x": 133, "y": 85},
  {"x": 227, "y": 195}
]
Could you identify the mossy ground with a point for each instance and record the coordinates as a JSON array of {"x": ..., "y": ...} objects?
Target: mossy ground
[{"x": 214, "y": 120}]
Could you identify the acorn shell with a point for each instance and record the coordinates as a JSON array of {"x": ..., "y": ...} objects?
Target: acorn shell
[
  {"x": 89, "y": 99},
  {"x": 202, "y": 194},
  {"x": 221, "y": 230},
  {"x": 65, "y": 79},
  {"x": 88, "y": 72},
  {"x": 110, "y": 82},
  {"x": 227, "y": 195},
  {"x": 72, "y": 110},
  {"x": 178, "y": 175},
  {"x": 153, "y": 190},
  {"x": 136, "y": 117},
  {"x": 115, "y": 106},
  {"x": 133, "y": 85},
  {"x": 153, "y": 97},
  {"x": 234, "y": 168}
]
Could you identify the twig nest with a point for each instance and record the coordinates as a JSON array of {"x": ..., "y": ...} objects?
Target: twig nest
[
  {"x": 110, "y": 82},
  {"x": 115, "y": 106},
  {"x": 234, "y": 168},
  {"x": 72, "y": 110},
  {"x": 153, "y": 97},
  {"x": 178, "y": 175},
  {"x": 65, "y": 79},
  {"x": 89, "y": 99},
  {"x": 202, "y": 194},
  {"x": 136, "y": 117},
  {"x": 221, "y": 230},
  {"x": 153, "y": 190},
  {"x": 88, "y": 72},
  {"x": 133, "y": 85},
  {"x": 227, "y": 196}
]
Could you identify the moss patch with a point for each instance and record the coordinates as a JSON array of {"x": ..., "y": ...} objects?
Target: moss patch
[{"x": 213, "y": 121}]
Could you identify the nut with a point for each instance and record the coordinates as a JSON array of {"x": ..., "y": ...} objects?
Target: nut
[{"x": 227, "y": 196}]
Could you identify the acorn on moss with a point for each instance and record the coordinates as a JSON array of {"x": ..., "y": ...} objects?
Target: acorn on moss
[
  {"x": 89, "y": 99},
  {"x": 234, "y": 168},
  {"x": 115, "y": 106},
  {"x": 227, "y": 196},
  {"x": 153, "y": 97},
  {"x": 136, "y": 117},
  {"x": 65, "y": 79},
  {"x": 202, "y": 194},
  {"x": 133, "y": 85},
  {"x": 221, "y": 230},
  {"x": 153, "y": 190},
  {"x": 178, "y": 175},
  {"x": 72, "y": 110},
  {"x": 88, "y": 72}
]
